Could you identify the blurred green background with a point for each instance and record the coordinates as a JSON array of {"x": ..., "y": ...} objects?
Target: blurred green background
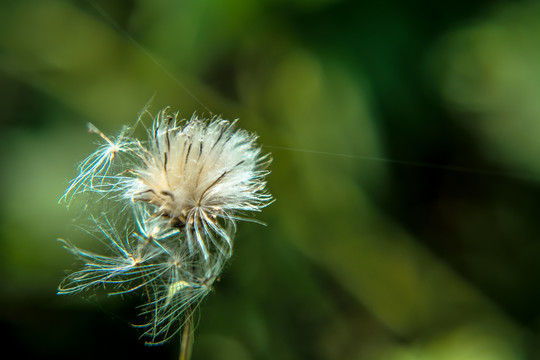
[{"x": 406, "y": 145}]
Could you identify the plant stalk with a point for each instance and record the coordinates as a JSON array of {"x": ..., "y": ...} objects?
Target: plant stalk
[{"x": 187, "y": 337}]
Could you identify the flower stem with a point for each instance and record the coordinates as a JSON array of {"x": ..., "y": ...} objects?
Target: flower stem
[{"x": 187, "y": 337}]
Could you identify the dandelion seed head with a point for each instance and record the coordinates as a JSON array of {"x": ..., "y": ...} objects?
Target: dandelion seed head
[
  {"x": 198, "y": 171},
  {"x": 170, "y": 206}
]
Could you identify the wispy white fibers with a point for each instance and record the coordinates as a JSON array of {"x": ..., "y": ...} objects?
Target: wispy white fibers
[
  {"x": 94, "y": 171},
  {"x": 182, "y": 191},
  {"x": 199, "y": 174}
]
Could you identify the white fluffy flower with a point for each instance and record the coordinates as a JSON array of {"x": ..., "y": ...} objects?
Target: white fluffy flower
[
  {"x": 200, "y": 175},
  {"x": 167, "y": 212}
]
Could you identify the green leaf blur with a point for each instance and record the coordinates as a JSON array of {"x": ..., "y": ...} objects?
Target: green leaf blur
[{"x": 406, "y": 172}]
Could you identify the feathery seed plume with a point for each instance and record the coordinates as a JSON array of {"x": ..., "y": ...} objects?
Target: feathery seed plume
[{"x": 180, "y": 194}]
